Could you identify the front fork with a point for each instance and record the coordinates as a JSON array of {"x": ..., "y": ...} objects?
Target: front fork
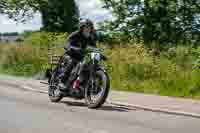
[
  {"x": 92, "y": 75},
  {"x": 93, "y": 78}
]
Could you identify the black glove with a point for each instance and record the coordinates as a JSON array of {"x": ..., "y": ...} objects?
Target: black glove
[{"x": 104, "y": 57}]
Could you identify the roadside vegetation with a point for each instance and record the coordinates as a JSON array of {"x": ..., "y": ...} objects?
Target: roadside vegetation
[
  {"x": 30, "y": 57},
  {"x": 132, "y": 67}
]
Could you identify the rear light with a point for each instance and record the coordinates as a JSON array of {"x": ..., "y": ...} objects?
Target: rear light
[{"x": 76, "y": 84}]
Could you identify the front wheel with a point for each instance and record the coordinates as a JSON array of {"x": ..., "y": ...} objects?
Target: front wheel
[{"x": 97, "y": 95}]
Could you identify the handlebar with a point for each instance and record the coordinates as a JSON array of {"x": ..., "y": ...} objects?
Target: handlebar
[
  {"x": 93, "y": 49},
  {"x": 89, "y": 49}
]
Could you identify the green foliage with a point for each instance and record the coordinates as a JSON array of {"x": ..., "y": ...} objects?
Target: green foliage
[
  {"x": 45, "y": 38},
  {"x": 196, "y": 52},
  {"x": 30, "y": 57},
  {"x": 20, "y": 9},
  {"x": 61, "y": 16},
  {"x": 133, "y": 68},
  {"x": 26, "y": 34},
  {"x": 9, "y": 34},
  {"x": 21, "y": 60},
  {"x": 159, "y": 22}
]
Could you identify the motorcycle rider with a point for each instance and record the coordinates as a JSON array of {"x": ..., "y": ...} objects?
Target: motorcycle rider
[{"x": 75, "y": 45}]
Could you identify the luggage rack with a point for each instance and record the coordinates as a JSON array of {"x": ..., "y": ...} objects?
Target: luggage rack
[{"x": 53, "y": 58}]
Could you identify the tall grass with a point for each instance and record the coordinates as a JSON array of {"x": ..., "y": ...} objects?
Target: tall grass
[
  {"x": 22, "y": 59},
  {"x": 131, "y": 67},
  {"x": 30, "y": 57}
]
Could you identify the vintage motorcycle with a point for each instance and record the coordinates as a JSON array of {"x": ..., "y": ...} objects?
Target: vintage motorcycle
[{"x": 93, "y": 83}]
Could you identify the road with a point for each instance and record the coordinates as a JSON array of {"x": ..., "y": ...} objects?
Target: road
[{"x": 23, "y": 111}]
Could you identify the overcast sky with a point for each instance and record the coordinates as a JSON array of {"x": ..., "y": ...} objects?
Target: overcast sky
[{"x": 88, "y": 9}]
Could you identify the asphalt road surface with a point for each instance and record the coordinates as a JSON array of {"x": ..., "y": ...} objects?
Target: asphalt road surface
[{"x": 22, "y": 111}]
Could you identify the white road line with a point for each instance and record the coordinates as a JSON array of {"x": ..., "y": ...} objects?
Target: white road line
[{"x": 34, "y": 90}]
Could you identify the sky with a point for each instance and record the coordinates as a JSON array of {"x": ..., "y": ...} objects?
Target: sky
[{"x": 88, "y": 9}]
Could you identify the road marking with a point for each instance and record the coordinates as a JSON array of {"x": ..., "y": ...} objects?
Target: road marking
[
  {"x": 148, "y": 108},
  {"x": 34, "y": 90}
]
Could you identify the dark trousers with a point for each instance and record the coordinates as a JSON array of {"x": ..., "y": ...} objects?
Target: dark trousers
[
  {"x": 71, "y": 60},
  {"x": 69, "y": 63}
]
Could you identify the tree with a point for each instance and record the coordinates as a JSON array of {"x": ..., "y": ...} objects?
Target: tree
[
  {"x": 160, "y": 22},
  {"x": 60, "y": 15},
  {"x": 10, "y": 34},
  {"x": 129, "y": 17},
  {"x": 21, "y": 9},
  {"x": 71, "y": 15}
]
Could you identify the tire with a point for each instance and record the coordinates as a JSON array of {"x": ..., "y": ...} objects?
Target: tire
[
  {"x": 51, "y": 97},
  {"x": 104, "y": 94}
]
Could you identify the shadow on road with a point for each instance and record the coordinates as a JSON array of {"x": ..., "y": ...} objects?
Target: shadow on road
[
  {"x": 103, "y": 108},
  {"x": 114, "y": 108},
  {"x": 73, "y": 103}
]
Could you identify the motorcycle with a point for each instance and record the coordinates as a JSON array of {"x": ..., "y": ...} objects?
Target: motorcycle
[{"x": 92, "y": 84}]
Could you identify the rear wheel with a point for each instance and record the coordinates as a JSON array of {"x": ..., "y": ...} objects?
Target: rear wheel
[
  {"x": 97, "y": 95},
  {"x": 54, "y": 92}
]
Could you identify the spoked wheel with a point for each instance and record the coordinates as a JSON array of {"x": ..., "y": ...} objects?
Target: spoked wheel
[
  {"x": 54, "y": 90},
  {"x": 96, "y": 94}
]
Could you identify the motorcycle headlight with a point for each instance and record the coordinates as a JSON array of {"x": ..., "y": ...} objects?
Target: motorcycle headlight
[{"x": 96, "y": 56}]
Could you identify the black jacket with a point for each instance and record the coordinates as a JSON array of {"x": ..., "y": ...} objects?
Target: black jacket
[{"x": 76, "y": 39}]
